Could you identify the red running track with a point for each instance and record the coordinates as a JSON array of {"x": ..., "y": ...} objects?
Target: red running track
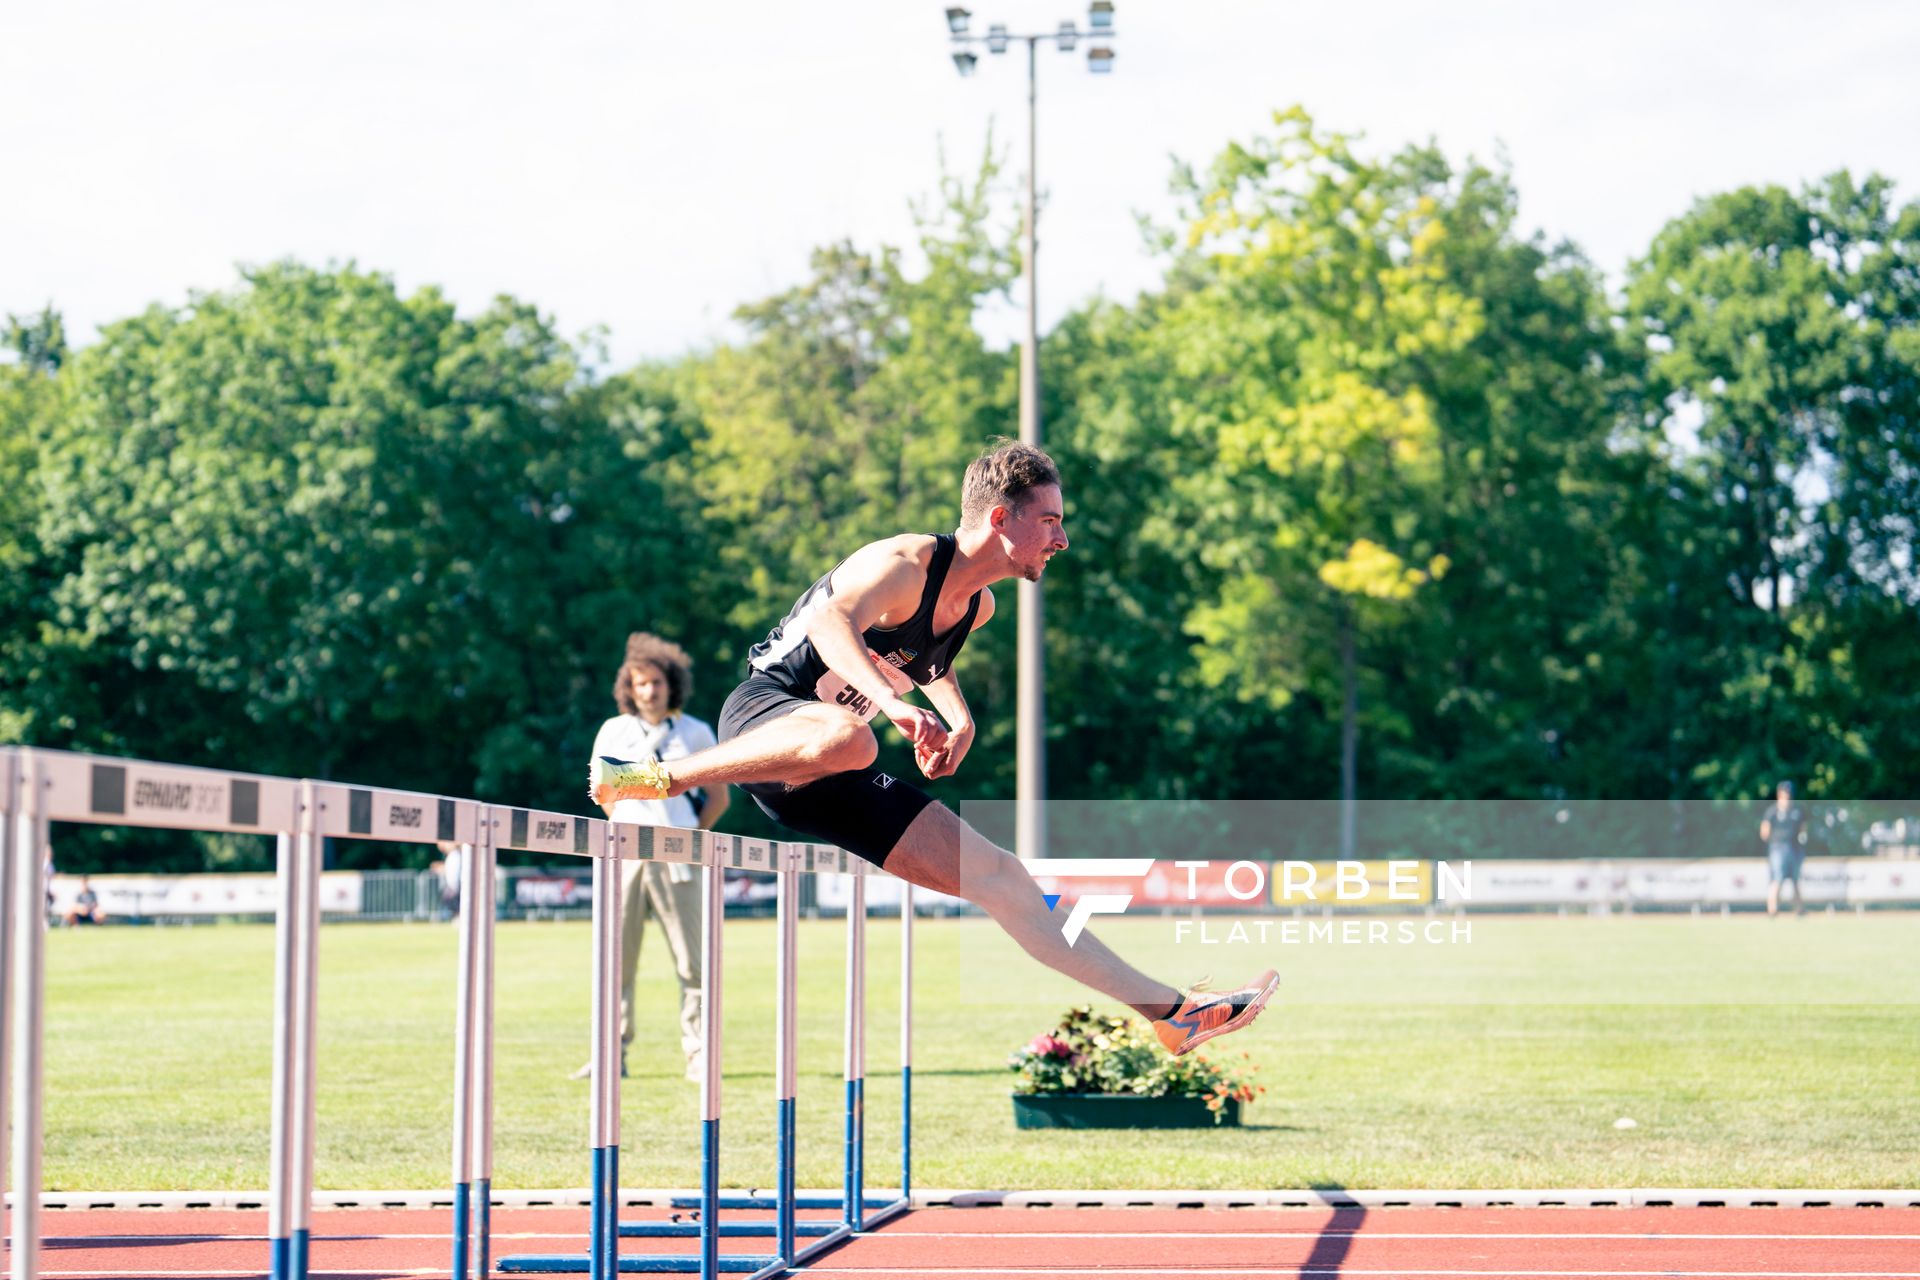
[{"x": 1068, "y": 1244}]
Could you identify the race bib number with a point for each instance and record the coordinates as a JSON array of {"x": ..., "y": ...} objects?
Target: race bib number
[{"x": 834, "y": 691}]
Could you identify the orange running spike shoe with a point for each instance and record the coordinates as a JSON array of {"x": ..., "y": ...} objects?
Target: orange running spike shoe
[
  {"x": 1203, "y": 1015},
  {"x": 610, "y": 780}
]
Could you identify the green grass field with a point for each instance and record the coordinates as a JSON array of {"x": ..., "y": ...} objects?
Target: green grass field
[{"x": 1749, "y": 1052}]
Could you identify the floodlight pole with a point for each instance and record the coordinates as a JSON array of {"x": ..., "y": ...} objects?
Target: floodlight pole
[
  {"x": 1030, "y": 704},
  {"x": 1030, "y": 772}
]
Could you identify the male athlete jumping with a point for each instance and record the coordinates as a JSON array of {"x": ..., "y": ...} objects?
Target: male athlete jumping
[{"x": 796, "y": 735}]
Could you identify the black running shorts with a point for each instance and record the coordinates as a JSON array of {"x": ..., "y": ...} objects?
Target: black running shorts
[{"x": 865, "y": 811}]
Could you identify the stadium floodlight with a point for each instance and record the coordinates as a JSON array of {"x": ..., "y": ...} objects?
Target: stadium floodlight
[{"x": 1030, "y": 785}]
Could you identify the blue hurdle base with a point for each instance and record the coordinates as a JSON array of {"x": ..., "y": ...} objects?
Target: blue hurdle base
[
  {"x": 833, "y": 1240},
  {"x": 785, "y": 1142},
  {"x": 603, "y": 1246},
  {"x": 297, "y": 1255},
  {"x": 679, "y": 1229},
  {"x": 461, "y": 1209},
  {"x": 278, "y": 1251},
  {"x": 749, "y": 1200},
  {"x": 577, "y": 1263},
  {"x": 689, "y": 1263},
  {"x": 857, "y": 1216}
]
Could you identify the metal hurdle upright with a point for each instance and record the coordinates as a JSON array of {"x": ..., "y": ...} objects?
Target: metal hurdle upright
[
  {"x": 473, "y": 1053},
  {"x": 11, "y": 812}
]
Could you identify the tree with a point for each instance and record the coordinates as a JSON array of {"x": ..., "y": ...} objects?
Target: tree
[
  {"x": 1784, "y": 326},
  {"x": 322, "y": 529},
  {"x": 29, "y": 402},
  {"x": 1299, "y": 360},
  {"x": 849, "y": 414}
]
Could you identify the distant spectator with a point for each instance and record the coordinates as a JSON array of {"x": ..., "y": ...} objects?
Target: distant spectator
[
  {"x": 86, "y": 907},
  {"x": 650, "y": 689},
  {"x": 1785, "y": 830}
]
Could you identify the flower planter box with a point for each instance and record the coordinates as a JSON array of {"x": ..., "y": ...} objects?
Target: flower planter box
[{"x": 1116, "y": 1111}]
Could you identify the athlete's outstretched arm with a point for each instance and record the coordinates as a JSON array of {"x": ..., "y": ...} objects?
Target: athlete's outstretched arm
[
  {"x": 878, "y": 579},
  {"x": 946, "y": 697}
]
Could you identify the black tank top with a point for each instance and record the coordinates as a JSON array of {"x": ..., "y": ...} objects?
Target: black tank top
[{"x": 909, "y": 654}]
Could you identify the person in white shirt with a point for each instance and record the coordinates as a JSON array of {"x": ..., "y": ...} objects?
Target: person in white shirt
[{"x": 651, "y": 689}]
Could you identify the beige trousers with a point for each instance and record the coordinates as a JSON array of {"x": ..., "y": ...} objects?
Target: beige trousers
[{"x": 647, "y": 890}]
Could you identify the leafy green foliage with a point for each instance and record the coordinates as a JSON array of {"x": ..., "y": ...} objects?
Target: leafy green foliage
[
  {"x": 1787, "y": 326},
  {"x": 29, "y": 404},
  {"x": 324, "y": 529},
  {"x": 1375, "y": 496}
]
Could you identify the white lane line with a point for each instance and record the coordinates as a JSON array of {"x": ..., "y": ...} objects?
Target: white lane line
[
  {"x": 1361, "y": 1234},
  {"x": 115, "y": 1240},
  {"x": 123, "y": 1239},
  {"x": 144, "y": 1273},
  {"x": 1084, "y": 1269},
  {"x": 161, "y": 1237},
  {"x": 95, "y": 1273}
]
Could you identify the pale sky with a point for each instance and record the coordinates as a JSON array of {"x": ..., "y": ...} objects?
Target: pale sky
[{"x": 646, "y": 167}]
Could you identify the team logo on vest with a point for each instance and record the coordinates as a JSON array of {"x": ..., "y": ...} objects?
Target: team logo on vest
[{"x": 882, "y": 781}]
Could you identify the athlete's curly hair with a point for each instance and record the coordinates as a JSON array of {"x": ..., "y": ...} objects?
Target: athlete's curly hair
[
  {"x": 1001, "y": 477},
  {"x": 644, "y": 646}
]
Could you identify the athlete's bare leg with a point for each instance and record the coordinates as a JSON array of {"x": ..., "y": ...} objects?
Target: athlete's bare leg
[
  {"x": 938, "y": 851},
  {"x": 805, "y": 745}
]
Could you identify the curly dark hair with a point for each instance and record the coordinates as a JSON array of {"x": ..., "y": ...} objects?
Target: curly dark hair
[
  {"x": 644, "y": 646},
  {"x": 1002, "y": 476}
]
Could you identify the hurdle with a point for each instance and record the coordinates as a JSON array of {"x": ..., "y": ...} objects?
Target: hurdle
[
  {"x": 714, "y": 854},
  {"x": 42, "y": 787},
  {"x": 39, "y": 787},
  {"x": 852, "y": 1204}
]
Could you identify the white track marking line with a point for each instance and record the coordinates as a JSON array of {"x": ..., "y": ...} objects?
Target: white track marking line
[
  {"x": 95, "y": 1273},
  {"x": 197, "y": 1237},
  {"x": 1361, "y": 1234},
  {"x": 123, "y": 1240},
  {"x": 1350, "y": 1271}
]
